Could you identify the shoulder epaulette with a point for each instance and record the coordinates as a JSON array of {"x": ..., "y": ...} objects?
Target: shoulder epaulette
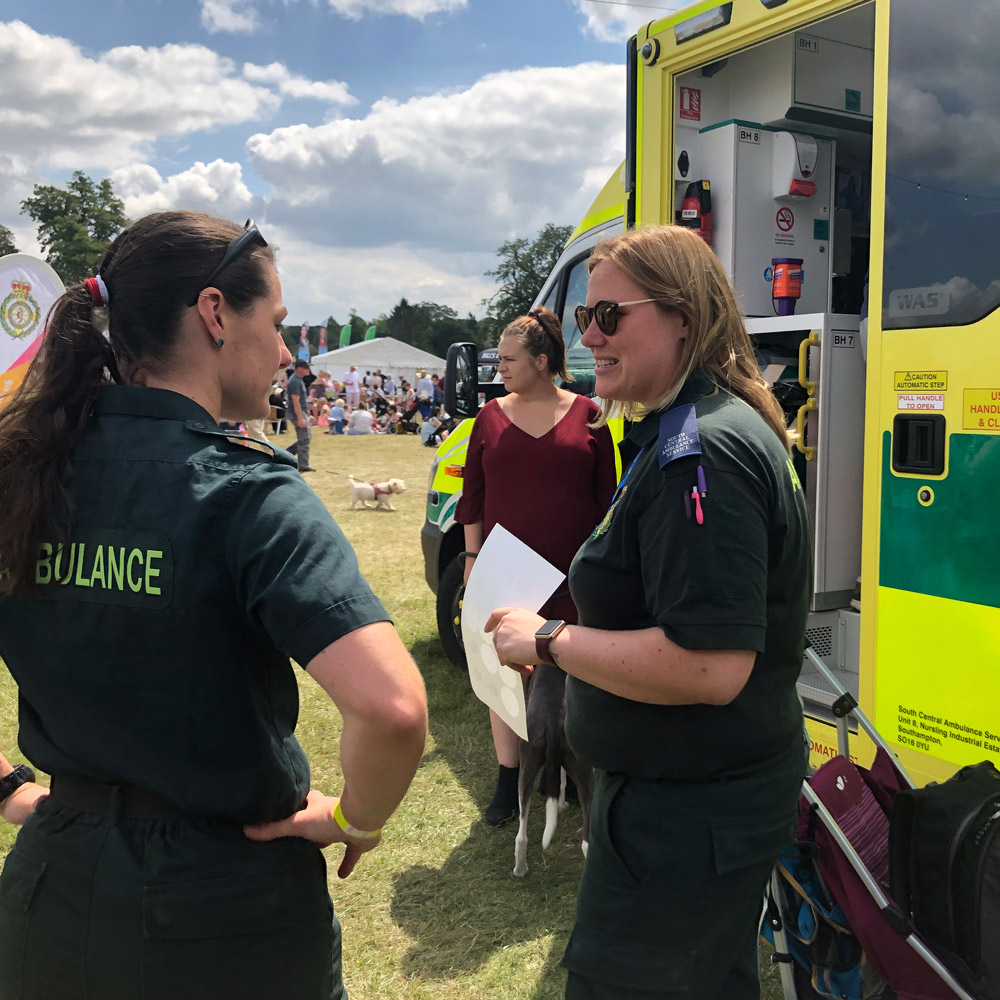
[{"x": 254, "y": 444}]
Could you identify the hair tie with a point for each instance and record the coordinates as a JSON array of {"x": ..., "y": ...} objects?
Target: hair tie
[
  {"x": 98, "y": 290},
  {"x": 99, "y": 296}
]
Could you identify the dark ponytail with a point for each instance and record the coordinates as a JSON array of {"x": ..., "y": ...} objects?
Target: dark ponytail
[
  {"x": 540, "y": 332},
  {"x": 151, "y": 271}
]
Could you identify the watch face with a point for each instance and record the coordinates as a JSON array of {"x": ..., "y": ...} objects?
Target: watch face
[
  {"x": 549, "y": 629},
  {"x": 21, "y": 775}
]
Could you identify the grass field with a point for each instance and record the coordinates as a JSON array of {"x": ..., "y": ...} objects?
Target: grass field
[{"x": 434, "y": 913}]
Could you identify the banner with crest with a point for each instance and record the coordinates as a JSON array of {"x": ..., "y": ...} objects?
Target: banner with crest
[{"x": 28, "y": 289}]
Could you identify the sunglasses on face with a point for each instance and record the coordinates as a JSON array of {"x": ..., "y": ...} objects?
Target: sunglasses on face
[
  {"x": 249, "y": 237},
  {"x": 605, "y": 314}
]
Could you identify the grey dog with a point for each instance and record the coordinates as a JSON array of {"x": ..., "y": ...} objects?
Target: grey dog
[{"x": 547, "y": 750}]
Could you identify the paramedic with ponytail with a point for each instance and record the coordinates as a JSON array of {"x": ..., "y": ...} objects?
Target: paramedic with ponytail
[
  {"x": 159, "y": 574},
  {"x": 692, "y": 596}
]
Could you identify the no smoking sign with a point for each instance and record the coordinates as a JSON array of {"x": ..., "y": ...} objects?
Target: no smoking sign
[{"x": 785, "y": 219}]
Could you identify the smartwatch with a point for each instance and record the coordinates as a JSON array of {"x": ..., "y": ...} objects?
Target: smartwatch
[
  {"x": 10, "y": 783},
  {"x": 543, "y": 638}
]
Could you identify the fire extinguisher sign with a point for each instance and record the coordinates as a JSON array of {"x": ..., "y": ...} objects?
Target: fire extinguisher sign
[{"x": 691, "y": 104}]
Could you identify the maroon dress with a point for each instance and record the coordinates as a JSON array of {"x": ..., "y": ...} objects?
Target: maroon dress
[{"x": 548, "y": 491}]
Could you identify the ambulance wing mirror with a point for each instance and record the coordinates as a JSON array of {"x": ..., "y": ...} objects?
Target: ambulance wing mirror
[{"x": 461, "y": 381}]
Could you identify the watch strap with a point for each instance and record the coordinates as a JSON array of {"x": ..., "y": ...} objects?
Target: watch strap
[{"x": 542, "y": 643}]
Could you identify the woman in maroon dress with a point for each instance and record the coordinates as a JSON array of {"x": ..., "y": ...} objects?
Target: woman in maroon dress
[{"x": 535, "y": 466}]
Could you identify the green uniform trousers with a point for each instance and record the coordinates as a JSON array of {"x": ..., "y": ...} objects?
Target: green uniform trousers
[
  {"x": 672, "y": 886},
  {"x": 99, "y": 909}
]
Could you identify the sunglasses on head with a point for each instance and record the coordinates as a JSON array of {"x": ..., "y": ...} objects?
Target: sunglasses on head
[
  {"x": 605, "y": 314},
  {"x": 249, "y": 237}
]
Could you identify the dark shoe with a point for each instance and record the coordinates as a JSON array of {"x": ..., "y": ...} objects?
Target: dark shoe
[
  {"x": 504, "y": 805},
  {"x": 308, "y": 468}
]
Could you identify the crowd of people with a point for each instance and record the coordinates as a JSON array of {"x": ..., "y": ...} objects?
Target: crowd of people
[
  {"x": 355, "y": 405},
  {"x": 373, "y": 403}
]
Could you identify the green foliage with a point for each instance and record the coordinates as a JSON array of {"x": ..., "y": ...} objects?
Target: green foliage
[
  {"x": 522, "y": 270},
  {"x": 429, "y": 326},
  {"x": 358, "y": 327},
  {"x": 76, "y": 223},
  {"x": 7, "y": 244}
]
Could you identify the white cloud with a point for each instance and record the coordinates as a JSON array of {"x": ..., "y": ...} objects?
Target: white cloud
[
  {"x": 407, "y": 199},
  {"x": 501, "y": 158},
  {"x": 318, "y": 281},
  {"x": 330, "y": 91},
  {"x": 943, "y": 124},
  {"x": 215, "y": 187},
  {"x": 243, "y": 17},
  {"x": 966, "y": 301},
  {"x": 102, "y": 112},
  {"x": 954, "y": 143},
  {"x": 616, "y": 22},
  {"x": 238, "y": 16},
  {"x": 16, "y": 177},
  {"x": 418, "y": 9}
]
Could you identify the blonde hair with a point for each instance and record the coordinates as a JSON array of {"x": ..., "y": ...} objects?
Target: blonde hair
[
  {"x": 676, "y": 266},
  {"x": 540, "y": 332}
]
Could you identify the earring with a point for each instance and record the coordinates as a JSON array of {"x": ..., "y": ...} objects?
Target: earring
[{"x": 218, "y": 343}]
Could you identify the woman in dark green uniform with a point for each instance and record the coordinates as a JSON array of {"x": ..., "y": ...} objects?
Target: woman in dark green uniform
[
  {"x": 158, "y": 575},
  {"x": 692, "y": 593}
]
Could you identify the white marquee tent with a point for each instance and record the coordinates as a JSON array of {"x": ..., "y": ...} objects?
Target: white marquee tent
[{"x": 392, "y": 356}]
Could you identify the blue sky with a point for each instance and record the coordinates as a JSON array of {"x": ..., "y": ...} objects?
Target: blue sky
[{"x": 387, "y": 146}]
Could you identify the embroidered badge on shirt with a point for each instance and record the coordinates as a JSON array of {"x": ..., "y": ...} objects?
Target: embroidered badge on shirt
[
  {"x": 678, "y": 434},
  {"x": 605, "y": 522}
]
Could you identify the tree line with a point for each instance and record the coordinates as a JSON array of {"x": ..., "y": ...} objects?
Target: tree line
[{"x": 76, "y": 223}]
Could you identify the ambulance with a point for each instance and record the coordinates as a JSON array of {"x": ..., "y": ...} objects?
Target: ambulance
[{"x": 841, "y": 159}]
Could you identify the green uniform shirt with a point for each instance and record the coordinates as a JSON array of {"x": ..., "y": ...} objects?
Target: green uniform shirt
[
  {"x": 158, "y": 651},
  {"x": 739, "y": 580}
]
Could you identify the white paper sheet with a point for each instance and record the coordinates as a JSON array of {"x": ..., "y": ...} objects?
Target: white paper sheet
[{"x": 506, "y": 573}]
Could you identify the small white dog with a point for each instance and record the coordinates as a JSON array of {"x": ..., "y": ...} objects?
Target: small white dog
[{"x": 379, "y": 492}]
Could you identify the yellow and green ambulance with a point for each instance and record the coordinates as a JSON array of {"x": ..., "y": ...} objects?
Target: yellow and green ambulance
[{"x": 841, "y": 158}]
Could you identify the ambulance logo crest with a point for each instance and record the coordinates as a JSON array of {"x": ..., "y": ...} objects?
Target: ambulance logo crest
[
  {"x": 19, "y": 312},
  {"x": 605, "y": 523}
]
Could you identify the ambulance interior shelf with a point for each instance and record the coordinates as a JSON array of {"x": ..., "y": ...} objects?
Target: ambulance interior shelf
[
  {"x": 835, "y": 428},
  {"x": 831, "y": 481}
]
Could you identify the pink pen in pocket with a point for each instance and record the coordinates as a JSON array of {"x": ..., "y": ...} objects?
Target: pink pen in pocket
[{"x": 697, "y": 493}]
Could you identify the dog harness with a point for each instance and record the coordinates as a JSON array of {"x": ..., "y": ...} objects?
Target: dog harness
[{"x": 379, "y": 491}]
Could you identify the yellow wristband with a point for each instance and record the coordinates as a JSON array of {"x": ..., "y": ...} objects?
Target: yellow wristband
[{"x": 341, "y": 819}]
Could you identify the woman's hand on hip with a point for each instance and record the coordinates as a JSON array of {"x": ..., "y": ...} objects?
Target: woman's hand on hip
[
  {"x": 514, "y": 636},
  {"x": 316, "y": 823},
  {"x": 21, "y": 803}
]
